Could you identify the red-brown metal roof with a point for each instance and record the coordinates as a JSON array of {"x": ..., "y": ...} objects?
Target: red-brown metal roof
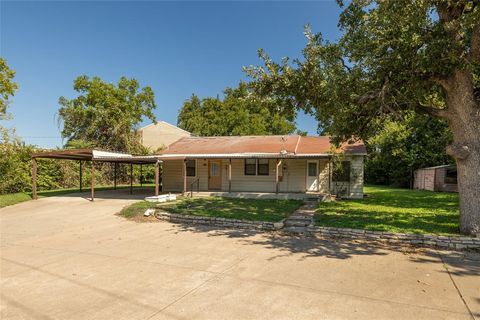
[{"x": 258, "y": 145}]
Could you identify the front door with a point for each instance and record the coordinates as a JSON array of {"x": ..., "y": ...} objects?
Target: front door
[
  {"x": 214, "y": 175},
  {"x": 312, "y": 175}
]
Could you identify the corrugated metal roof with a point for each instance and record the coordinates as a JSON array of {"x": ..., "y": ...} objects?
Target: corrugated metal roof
[
  {"x": 438, "y": 167},
  {"x": 96, "y": 155},
  {"x": 257, "y": 146}
]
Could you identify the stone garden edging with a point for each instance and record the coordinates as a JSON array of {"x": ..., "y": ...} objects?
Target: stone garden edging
[
  {"x": 417, "y": 240},
  {"x": 219, "y": 222}
]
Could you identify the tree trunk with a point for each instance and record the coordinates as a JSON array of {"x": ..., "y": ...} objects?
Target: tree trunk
[{"x": 463, "y": 114}]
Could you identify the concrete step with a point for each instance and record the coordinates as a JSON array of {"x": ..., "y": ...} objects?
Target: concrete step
[
  {"x": 295, "y": 229},
  {"x": 297, "y": 223},
  {"x": 299, "y": 217}
]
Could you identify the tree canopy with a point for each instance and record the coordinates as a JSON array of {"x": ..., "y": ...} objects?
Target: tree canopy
[
  {"x": 7, "y": 86},
  {"x": 238, "y": 113},
  {"x": 401, "y": 147},
  {"x": 393, "y": 58},
  {"x": 106, "y": 115}
]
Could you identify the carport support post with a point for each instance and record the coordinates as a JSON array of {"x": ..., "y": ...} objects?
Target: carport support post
[
  {"x": 230, "y": 175},
  {"x": 92, "y": 179},
  {"x": 184, "y": 172},
  {"x": 131, "y": 178},
  {"x": 157, "y": 177},
  {"x": 141, "y": 175},
  {"x": 34, "y": 178},
  {"x": 80, "y": 167}
]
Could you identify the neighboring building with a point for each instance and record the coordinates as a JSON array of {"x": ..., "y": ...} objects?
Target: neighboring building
[
  {"x": 439, "y": 178},
  {"x": 160, "y": 135},
  {"x": 262, "y": 164}
]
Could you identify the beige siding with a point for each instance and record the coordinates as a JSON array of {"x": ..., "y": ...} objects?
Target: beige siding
[
  {"x": 241, "y": 182},
  {"x": 293, "y": 176},
  {"x": 160, "y": 135},
  {"x": 356, "y": 184},
  {"x": 355, "y": 189},
  {"x": 172, "y": 176}
]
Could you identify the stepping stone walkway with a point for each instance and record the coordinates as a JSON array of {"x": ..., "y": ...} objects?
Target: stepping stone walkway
[{"x": 302, "y": 218}]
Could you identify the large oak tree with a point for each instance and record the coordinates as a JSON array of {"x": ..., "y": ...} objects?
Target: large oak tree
[
  {"x": 7, "y": 87},
  {"x": 105, "y": 114},
  {"x": 239, "y": 113},
  {"x": 394, "y": 57}
]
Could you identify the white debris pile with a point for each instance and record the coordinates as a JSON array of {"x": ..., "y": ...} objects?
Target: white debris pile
[
  {"x": 162, "y": 198},
  {"x": 149, "y": 212}
]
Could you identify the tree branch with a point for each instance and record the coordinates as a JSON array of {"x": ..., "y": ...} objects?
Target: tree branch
[
  {"x": 345, "y": 65},
  {"x": 442, "y": 82},
  {"x": 474, "y": 55},
  {"x": 442, "y": 113}
]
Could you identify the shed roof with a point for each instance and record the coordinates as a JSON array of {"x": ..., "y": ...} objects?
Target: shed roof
[{"x": 257, "y": 146}]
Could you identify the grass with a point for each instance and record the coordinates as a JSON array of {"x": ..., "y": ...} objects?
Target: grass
[
  {"x": 232, "y": 208},
  {"x": 394, "y": 210},
  {"x": 14, "y": 198},
  {"x": 243, "y": 209},
  {"x": 136, "y": 209}
]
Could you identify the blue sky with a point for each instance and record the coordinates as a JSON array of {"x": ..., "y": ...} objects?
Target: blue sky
[{"x": 177, "y": 48}]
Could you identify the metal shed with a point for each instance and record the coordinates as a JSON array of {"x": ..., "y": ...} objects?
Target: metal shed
[{"x": 439, "y": 178}]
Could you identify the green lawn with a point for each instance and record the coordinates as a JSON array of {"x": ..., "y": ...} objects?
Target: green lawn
[
  {"x": 394, "y": 210},
  {"x": 137, "y": 209},
  {"x": 244, "y": 209},
  {"x": 14, "y": 198}
]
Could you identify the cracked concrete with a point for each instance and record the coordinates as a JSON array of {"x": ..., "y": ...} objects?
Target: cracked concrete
[{"x": 67, "y": 258}]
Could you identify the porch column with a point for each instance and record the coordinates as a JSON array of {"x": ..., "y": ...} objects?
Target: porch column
[
  {"x": 80, "y": 167},
  {"x": 115, "y": 176},
  {"x": 230, "y": 175},
  {"x": 34, "y": 178},
  {"x": 157, "y": 177},
  {"x": 131, "y": 178},
  {"x": 92, "y": 180},
  {"x": 184, "y": 172},
  {"x": 329, "y": 175},
  {"x": 279, "y": 162}
]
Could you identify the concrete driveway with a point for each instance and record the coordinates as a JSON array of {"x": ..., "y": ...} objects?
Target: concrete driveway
[{"x": 68, "y": 258}]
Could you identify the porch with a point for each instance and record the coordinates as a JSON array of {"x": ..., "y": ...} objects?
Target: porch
[{"x": 260, "y": 195}]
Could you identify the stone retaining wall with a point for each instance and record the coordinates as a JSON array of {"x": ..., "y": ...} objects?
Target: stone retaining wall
[
  {"x": 421, "y": 240},
  {"x": 219, "y": 222}
]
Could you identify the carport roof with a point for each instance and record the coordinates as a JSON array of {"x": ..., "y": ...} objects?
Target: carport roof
[{"x": 95, "y": 155}]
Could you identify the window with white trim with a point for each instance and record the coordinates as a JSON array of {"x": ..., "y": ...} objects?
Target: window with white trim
[{"x": 191, "y": 168}]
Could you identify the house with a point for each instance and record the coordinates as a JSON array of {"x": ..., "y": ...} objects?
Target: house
[
  {"x": 280, "y": 164},
  {"x": 159, "y": 135},
  {"x": 439, "y": 178}
]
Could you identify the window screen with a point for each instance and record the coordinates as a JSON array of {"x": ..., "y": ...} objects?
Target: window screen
[
  {"x": 191, "y": 166},
  {"x": 341, "y": 172},
  {"x": 250, "y": 167},
  {"x": 312, "y": 169},
  {"x": 263, "y": 167}
]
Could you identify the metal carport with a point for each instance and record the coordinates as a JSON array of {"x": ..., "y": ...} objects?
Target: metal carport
[{"x": 95, "y": 155}]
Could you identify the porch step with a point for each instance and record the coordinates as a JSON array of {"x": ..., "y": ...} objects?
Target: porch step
[
  {"x": 297, "y": 223},
  {"x": 298, "y": 230},
  {"x": 301, "y": 218}
]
